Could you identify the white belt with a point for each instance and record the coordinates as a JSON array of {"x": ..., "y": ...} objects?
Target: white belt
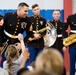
[
  {"x": 9, "y": 35},
  {"x": 73, "y": 31},
  {"x": 60, "y": 35}
]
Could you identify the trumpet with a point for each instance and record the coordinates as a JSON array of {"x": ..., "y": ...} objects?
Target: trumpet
[
  {"x": 4, "y": 47},
  {"x": 69, "y": 40}
]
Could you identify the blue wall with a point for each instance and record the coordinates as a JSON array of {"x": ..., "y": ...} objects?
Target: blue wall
[{"x": 47, "y": 14}]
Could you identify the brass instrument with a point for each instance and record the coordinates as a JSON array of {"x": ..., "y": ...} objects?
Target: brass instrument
[
  {"x": 41, "y": 30},
  {"x": 4, "y": 47},
  {"x": 50, "y": 36},
  {"x": 69, "y": 40}
]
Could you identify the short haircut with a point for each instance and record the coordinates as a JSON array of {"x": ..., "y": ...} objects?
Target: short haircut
[
  {"x": 22, "y": 4},
  {"x": 35, "y": 5},
  {"x": 56, "y": 10}
]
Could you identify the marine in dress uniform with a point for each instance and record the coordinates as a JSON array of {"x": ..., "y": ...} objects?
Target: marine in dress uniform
[
  {"x": 1, "y": 27},
  {"x": 59, "y": 26},
  {"x": 71, "y": 20},
  {"x": 15, "y": 23},
  {"x": 59, "y": 42},
  {"x": 37, "y": 23}
]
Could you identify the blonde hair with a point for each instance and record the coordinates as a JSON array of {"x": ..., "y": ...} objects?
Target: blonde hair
[
  {"x": 10, "y": 53},
  {"x": 50, "y": 60},
  {"x": 39, "y": 73}
]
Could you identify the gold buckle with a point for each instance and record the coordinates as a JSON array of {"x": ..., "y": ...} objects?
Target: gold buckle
[{"x": 12, "y": 36}]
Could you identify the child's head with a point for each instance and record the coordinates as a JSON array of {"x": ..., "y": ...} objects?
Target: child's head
[
  {"x": 11, "y": 54},
  {"x": 50, "y": 60},
  {"x": 22, "y": 71}
]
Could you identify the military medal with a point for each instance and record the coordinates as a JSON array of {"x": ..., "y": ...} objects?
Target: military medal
[
  {"x": 41, "y": 22},
  {"x": 23, "y": 25}
]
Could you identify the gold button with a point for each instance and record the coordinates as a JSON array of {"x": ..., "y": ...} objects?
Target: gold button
[
  {"x": 56, "y": 24},
  {"x": 15, "y": 32},
  {"x": 17, "y": 22},
  {"x": 16, "y": 28},
  {"x": 32, "y": 23},
  {"x": 18, "y": 19},
  {"x": 10, "y": 24},
  {"x": 36, "y": 23},
  {"x": 36, "y": 18}
]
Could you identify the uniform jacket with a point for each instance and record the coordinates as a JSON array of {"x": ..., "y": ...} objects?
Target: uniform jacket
[
  {"x": 37, "y": 24},
  {"x": 1, "y": 27},
  {"x": 71, "y": 20},
  {"x": 15, "y": 25},
  {"x": 58, "y": 43}
]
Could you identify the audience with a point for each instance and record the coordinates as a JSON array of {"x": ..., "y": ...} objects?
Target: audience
[
  {"x": 3, "y": 72},
  {"x": 14, "y": 61},
  {"x": 50, "y": 60},
  {"x": 22, "y": 71},
  {"x": 39, "y": 73}
]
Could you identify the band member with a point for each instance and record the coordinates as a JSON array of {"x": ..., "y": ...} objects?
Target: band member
[
  {"x": 37, "y": 23},
  {"x": 58, "y": 25},
  {"x": 71, "y": 20},
  {"x": 1, "y": 27},
  {"x": 15, "y": 23}
]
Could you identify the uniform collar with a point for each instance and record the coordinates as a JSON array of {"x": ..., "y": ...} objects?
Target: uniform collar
[
  {"x": 19, "y": 17},
  {"x": 75, "y": 14},
  {"x": 56, "y": 21},
  {"x": 36, "y": 16}
]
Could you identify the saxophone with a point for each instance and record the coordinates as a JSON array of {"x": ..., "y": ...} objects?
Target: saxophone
[{"x": 69, "y": 40}]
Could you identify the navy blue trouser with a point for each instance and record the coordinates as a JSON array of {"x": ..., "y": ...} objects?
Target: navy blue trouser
[
  {"x": 33, "y": 54},
  {"x": 72, "y": 52}
]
